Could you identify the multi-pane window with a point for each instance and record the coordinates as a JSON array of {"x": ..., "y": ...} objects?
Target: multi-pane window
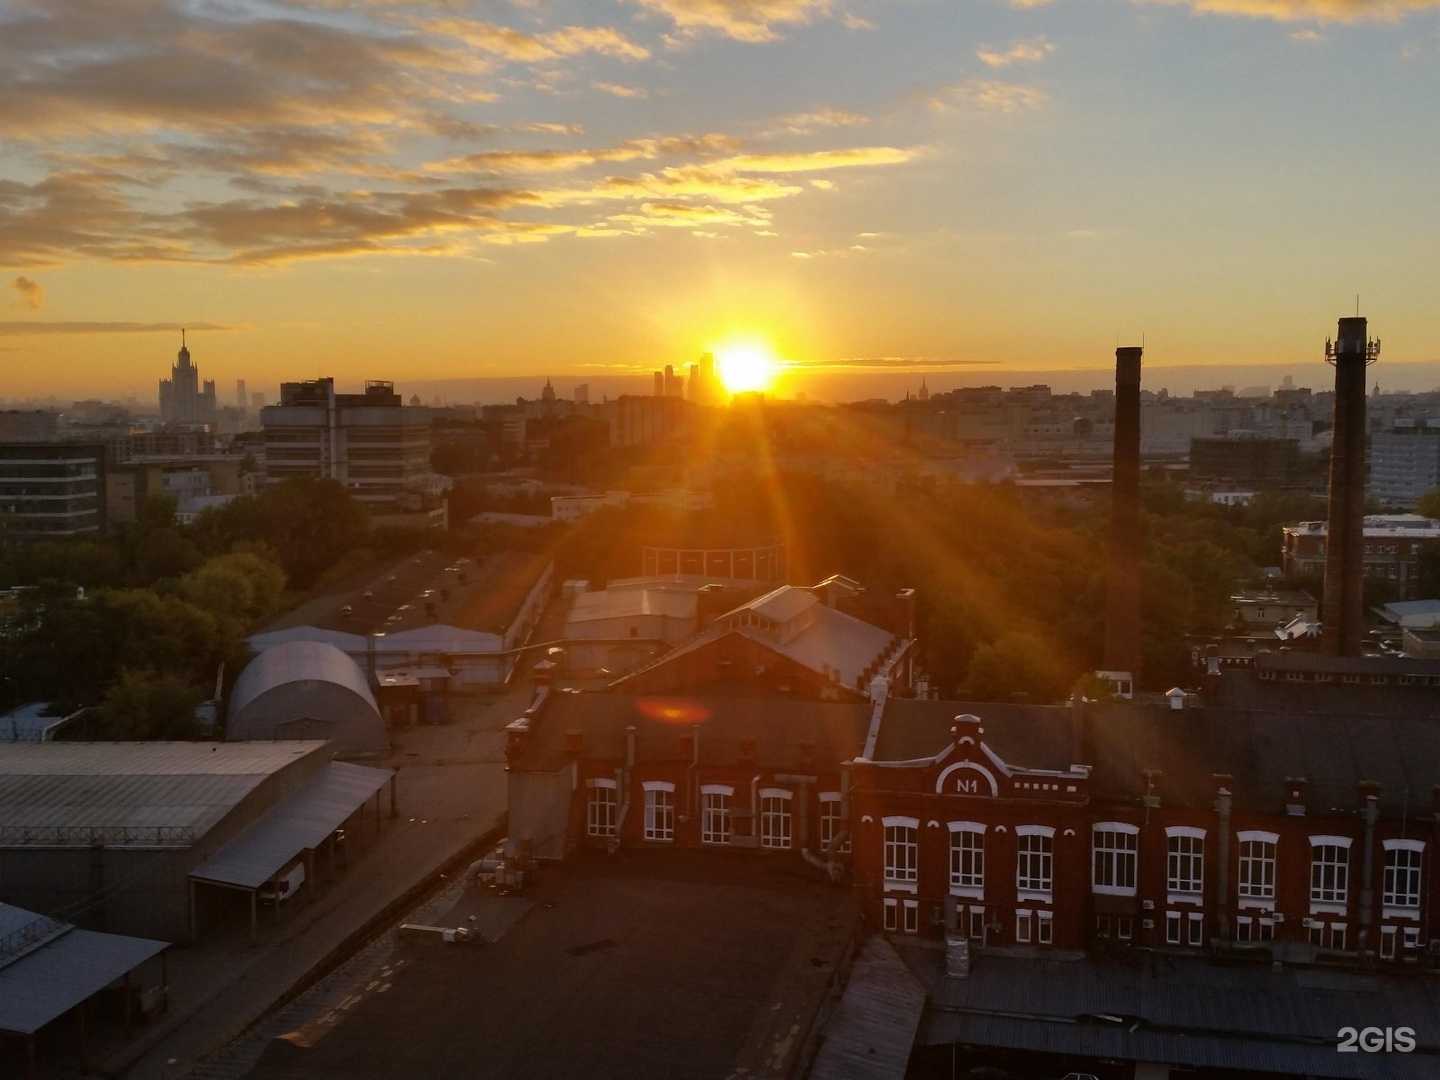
[
  {"x": 967, "y": 855},
  {"x": 600, "y": 809},
  {"x": 1172, "y": 927},
  {"x": 1114, "y": 848},
  {"x": 775, "y": 818},
  {"x": 892, "y": 915},
  {"x": 830, "y": 820},
  {"x": 1044, "y": 928},
  {"x": 1022, "y": 926},
  {"x": 1257, "y": 865},
  {"x": 912, "y": 916},
  {"x": 902, "y": 859},
  {"x": 1197, "y": 928},
  {"x": 659, "y": 811},
  {"x": 1185, "y": 860},
  {"x": 715, "y": 814},
  {"x": 1402, "y": 873},
  {"x": 1329, "y": 869},
  {"x": 1034, "y": 859}
]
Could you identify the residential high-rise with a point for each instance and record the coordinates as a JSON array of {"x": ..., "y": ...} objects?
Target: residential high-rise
[
  {"x": 51, "y": 490},
  {"x": 371, "y": 443},
  {"x": 1122, "y": 608},
  {"x": 1343, "y": 614},
  {"x": 240, "y": 398},
  {"x": 1405, "y": 462},
  {"x": 183, "y": 398},
  {"x": 582, "y": 394}
]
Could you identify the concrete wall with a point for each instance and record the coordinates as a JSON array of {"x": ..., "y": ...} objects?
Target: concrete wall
[{"x": 540, "y": 812}]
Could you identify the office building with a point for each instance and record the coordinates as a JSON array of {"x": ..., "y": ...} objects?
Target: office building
[
  {"x": 1404, "y": 462},
  {"x": 51, "y": 490},
  {"x": 371, "y": 443}
]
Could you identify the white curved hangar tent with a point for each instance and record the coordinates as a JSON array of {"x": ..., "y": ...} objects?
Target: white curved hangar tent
[{"x": 306, "y": 690}]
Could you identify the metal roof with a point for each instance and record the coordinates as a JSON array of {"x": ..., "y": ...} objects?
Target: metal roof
[
  {"x": 55, "y": 793},
  {"x": 779, "y": 605},
  {"x": 29, "y": 723},
  {"x": 299, "y": 823},
  {"x": 870, "y": 1034},
  {"x": 630, "y": 603},
  {"x": 298, "y": 661},
  {"x": 49, "y": 980}
]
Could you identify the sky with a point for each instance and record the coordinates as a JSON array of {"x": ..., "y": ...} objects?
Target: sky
[{"x": 476, "y": 189}]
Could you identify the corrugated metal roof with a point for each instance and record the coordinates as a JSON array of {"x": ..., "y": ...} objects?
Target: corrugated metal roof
[
  {"x": 299, "y": 823},
  {"x": 628, "y": 603},
  {"x": 345, "y": 642},
  {"x": 1180, "y": 1012},
  {"x": 49, "y": 981},
  {"x": 870, "y": 1035},
  {"x": 47, "y": 789},
  {"x": 298, "y": 661}
]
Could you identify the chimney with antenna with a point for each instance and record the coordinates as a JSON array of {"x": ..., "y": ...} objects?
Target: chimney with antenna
[
  {"x": 1122, "y": 606},
  {"x": 1343, "y": 614}
]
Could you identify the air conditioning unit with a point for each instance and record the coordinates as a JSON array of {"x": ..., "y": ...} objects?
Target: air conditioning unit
[
  {"x": 1147, "y": 924},
  {"x": 1147, "y": 905}
]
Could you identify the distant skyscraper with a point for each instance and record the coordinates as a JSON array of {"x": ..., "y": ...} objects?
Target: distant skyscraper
[
  {"x": 240, "y": 398},
  {"x": 257, "y": 400},
  {"x": 582, "y": 394},
  {"x": 183, "y": 400},
  {"x": 674, "y": 384},
  {"x": 659, "y": 384}
]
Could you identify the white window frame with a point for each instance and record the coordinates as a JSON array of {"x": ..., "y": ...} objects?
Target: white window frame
[
  {"x": 1039, "y": 886},
  {"x": 1389, "y": 937},
  {"x": 597, "y": 824},
  {"x": 715, "y": 811},
  {"x": 1124, "y": 927},
  {"x": 1402, "y": 878},
  {"x": 1258, "y": 855},
  {"x": 1113, "y": 859},
  {"x": 1244, "y": 929},
  {"x": 832, "y": 824},
  {"x": 967, "y": 859},
  {"x": 901, "y": 851},
  {"x": 1172, "y": 927},
  {"x": 776, "y": 819},
  {"x": 1197, "y": 928},
  {"x": 659, "y": 811},
  {"x": 911, "y": 910},
  {"x": 1045, "y": 928},
  {"x": 892, "y": 914},
  {"x": 1023, "y": 918},
  {"x": 975, "y": 929},
  {"x": 1329, "y": 897},
  {"x": 1184, "y": 864}
]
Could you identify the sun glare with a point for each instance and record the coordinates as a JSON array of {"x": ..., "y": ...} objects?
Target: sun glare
[{"x": 745, "y": 366}]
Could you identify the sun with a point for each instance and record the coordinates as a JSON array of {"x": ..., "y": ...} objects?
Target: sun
[{"x": 746, "y": 366}]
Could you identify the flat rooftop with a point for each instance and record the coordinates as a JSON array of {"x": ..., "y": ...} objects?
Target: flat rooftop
[
  {"x": 130, "y": 793},
  {"x": 652, "y": 965}
]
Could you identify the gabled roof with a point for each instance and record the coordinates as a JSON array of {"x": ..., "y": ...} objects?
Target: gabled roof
[
  {"x": 778, "y": 605},
  {"x": 778, "y": 726}
]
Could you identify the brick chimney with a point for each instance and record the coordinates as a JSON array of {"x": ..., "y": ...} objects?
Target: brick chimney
[
  {"x": 1343, "y": 614},
  {"x": 1122, "y": 606}
]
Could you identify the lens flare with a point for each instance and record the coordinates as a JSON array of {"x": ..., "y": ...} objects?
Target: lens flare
[{"x": 745, "y": 366}]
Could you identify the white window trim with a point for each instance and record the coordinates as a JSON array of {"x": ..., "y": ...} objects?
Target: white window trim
[
  {"x": 1185, "y": 830},
  {"x": 829, "y": 796},
  {"x": 1402, "y": 913},
  {"x": 1115, "y": 826},
  {"x": 1173, "y": 898},
  {"x": 1326, "y": 907},
  {"x": 966, "y": 826},
  {"x": 1331, "y": 841},
  {"x": 1035, "y": 830},
  {"x": 1257, "y": 836},
  {"x": 716, "y": 789},
  {"x": 1034, "y": 895},
  {"x": 1256, "y": 903},
  {"x": 896, "y": 821},
  {"x": 1405, "y": 845},
  {"x": 776, "y": 793},
  {"x": 658, "y": 785},
  {"x": 600, "y": 781}
]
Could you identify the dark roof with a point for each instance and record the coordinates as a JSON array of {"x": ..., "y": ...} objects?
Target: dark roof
[
  {"x": 1243, "y": 689},
  {"x": 1260, "y": 749},
  {"x": 1031, "y": 736},
  {"x": 779, "y": 727},
  {"x": 1318, "y": 663},
  {"x": 1180, "y": 1011}
]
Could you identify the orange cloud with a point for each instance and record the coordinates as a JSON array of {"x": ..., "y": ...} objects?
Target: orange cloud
[
  {"x": 1343, "y": 11},
  {"x": 755, "y": 21}
]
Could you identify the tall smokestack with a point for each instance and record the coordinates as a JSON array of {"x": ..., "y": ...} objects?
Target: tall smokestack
[
  {"x": 1122, "y": 608},
  {"x": 1343, "y": 615}
]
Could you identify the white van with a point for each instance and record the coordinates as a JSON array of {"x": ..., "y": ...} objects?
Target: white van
[{"x": 283, "y": 887}]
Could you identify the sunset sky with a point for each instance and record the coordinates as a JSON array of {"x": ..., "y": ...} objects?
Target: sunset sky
[{"x": 456, "y": 189}]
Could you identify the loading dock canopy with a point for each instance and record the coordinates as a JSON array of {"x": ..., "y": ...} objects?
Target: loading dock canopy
[
  {"x": 298, "y": 824},
  {"x": 47, "y": 967}
]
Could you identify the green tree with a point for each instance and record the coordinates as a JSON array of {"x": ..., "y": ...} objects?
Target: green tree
[
  {"x": 144, "y": 705},
  {"x": 1429, "y": 503},
  {"x": 241, "y": 585},
  {"x": 1020, "y": 663}
]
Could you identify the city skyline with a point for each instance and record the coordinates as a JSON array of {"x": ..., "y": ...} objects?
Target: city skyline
[{"x": 500, "y": 189}]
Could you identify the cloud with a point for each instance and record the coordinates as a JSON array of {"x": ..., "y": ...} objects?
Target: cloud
[
  {"x": 992, "y": 95},
  {"x": 900, "y": 363},
  {"x": 754, "y": 21},
  {"x": 620, "y": 90},
  {"x": 31, "y": 294},
  {"x": 26, "y": 329},
  {"x": 1029, "y": 5},
  {"x": 558, "y": 161},
  {"x": 516, "y": 45},
  {"x": 1030, "y": 51},
  {"x": 804, "y": 123},
  {"x": 1342, "y": 11},
  {"x": 815, "y": 160},
  {"x": 691, "y": 216},
  {"x": 1307, "y": 36}
]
